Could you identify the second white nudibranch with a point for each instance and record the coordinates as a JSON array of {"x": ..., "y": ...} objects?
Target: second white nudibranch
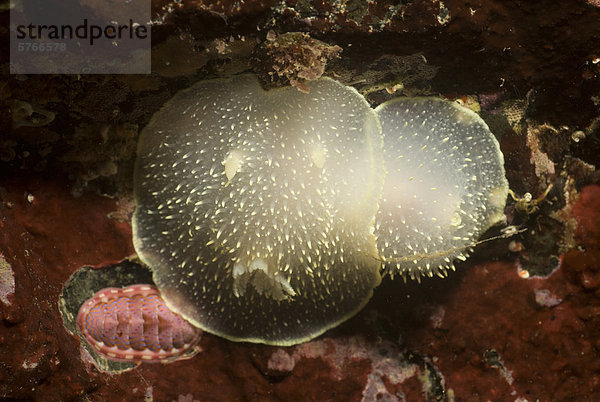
[{"x": 445, "y": 185}]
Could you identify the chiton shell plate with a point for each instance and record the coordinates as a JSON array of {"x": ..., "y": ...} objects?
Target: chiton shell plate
[{"x": 135, "y": 324}]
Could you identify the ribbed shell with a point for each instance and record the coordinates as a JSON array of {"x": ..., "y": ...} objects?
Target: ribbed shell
[
  {"x": 134, "y": 324},
  {"x": 255, "y": 210},
  {"x": 445, "y": 184}
]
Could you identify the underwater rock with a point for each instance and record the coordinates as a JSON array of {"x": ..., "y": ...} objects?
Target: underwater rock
[
  {"x": 376, "y": 371},
  {"x": 587, "y": 212},
  {"x": 445, "y": 185},
  {"x": 255, "y": 209}
]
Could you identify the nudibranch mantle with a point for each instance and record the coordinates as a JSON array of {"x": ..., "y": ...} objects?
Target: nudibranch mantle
[
  {"x": 445, "y": 185},
  {"x": 256, "y": 210}
]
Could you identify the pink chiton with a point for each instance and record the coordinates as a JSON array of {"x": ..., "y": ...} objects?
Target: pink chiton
[{"x": 135, "y": 324}]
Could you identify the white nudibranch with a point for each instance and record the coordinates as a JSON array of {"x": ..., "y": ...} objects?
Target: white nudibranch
[
  {"x": 445, "y": 185},
  {"x": 256, "y": 210},
  {"x": 269, "y": 216}
]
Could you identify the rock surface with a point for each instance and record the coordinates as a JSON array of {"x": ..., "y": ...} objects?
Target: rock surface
[{"x": 483, "y": 333}]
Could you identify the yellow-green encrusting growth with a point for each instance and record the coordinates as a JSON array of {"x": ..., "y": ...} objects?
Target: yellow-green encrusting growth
[
  {"x": 256, "y": 210},
  {"x": 445, "y": 185}
]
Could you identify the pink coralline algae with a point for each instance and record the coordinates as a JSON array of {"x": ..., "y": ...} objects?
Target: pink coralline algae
[
  {"x": 135, "y": 324},
  {"x": 380, "y": 368},
  {"x": 545, "y": 298}
]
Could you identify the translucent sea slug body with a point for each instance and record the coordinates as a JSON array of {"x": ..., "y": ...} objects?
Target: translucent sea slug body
[
  {"x": 256, "y": 209},
  {"x": 265, "y": 216},
  {"x": 445, "y": 185}
]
